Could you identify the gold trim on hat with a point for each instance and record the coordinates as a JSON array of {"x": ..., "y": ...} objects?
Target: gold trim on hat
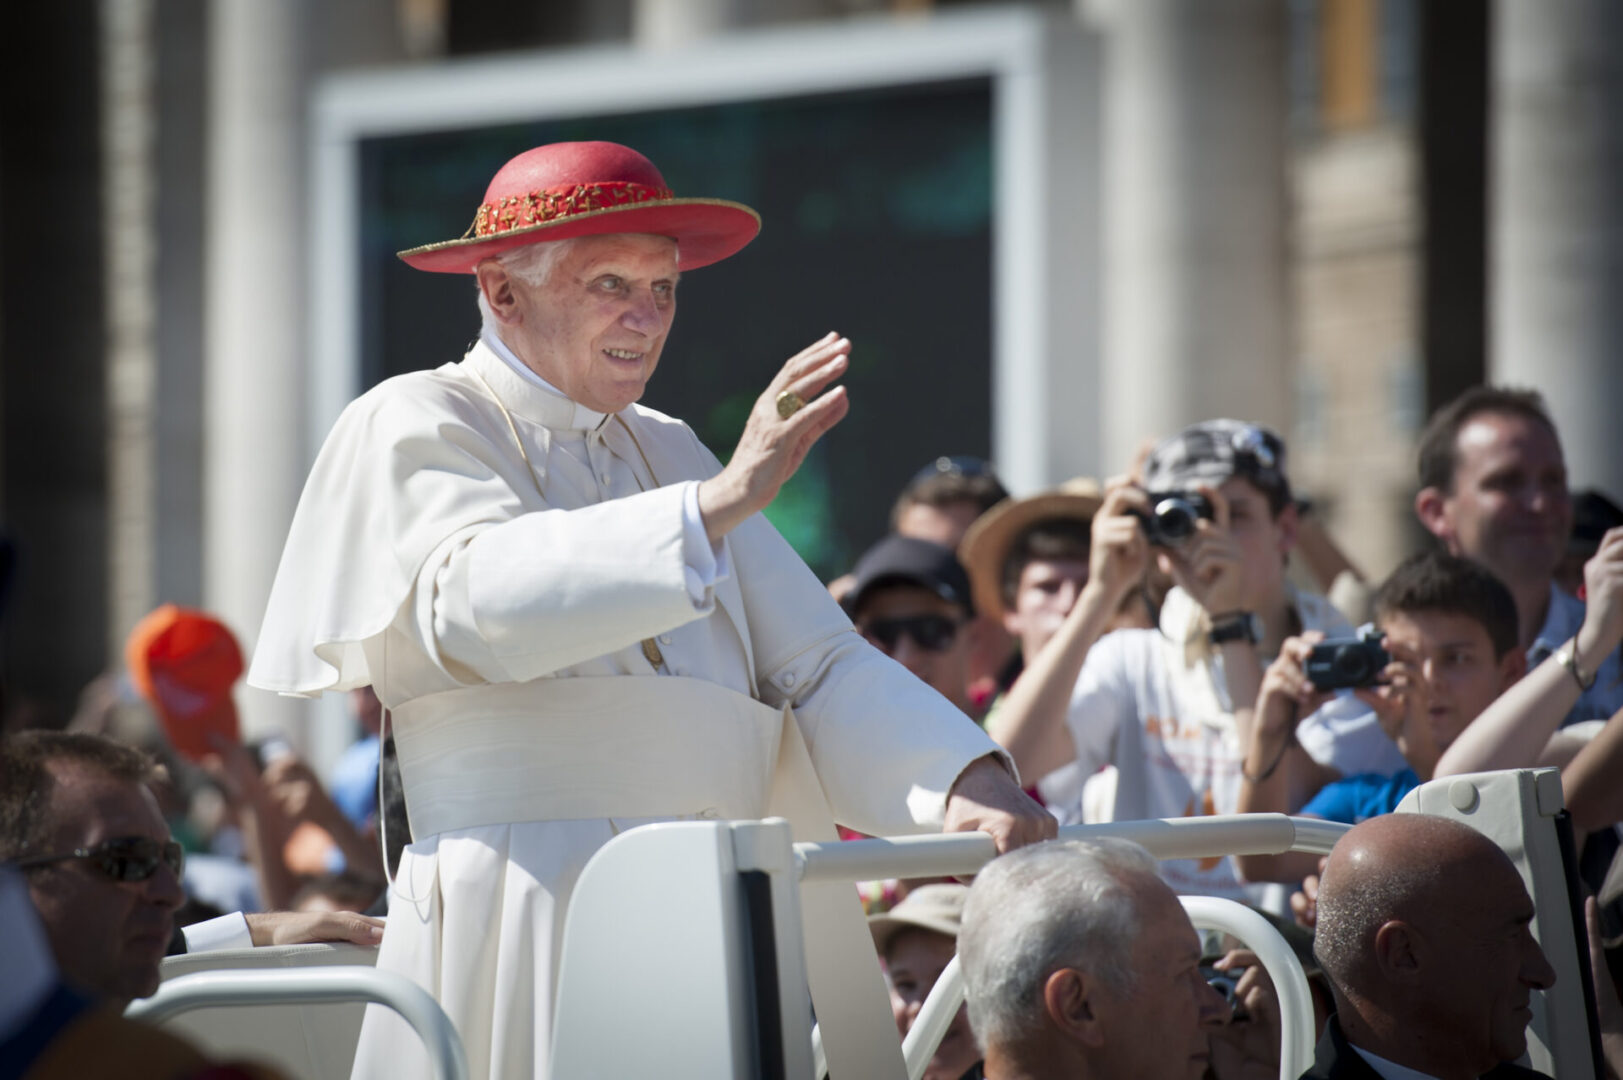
[{"x": 524, "y": 230}]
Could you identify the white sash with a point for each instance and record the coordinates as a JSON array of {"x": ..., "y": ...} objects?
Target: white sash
[{"x": 652, "y": 746}]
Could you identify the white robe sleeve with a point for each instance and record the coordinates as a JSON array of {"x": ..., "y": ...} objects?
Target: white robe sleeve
[
  {"x": 558, "y": 587},
  {"x": 225, "y": 932},
  {"x": 887, "y": 748}
]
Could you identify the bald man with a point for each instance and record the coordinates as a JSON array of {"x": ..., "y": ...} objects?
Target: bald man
[{"x": 1425, "y": 931}]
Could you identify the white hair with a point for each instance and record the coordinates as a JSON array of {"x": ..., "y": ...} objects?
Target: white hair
[
  {"x": 1042, "y": 908},
  {"x": 532, "y": 264}
]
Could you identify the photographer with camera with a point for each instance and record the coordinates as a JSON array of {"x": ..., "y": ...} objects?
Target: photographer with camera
[
  {"x": 1444, "y": 653},
  {"x": 1171, "y": 708}
]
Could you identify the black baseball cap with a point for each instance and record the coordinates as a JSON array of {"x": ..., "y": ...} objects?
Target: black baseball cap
[{"x": 909, "y": 561}]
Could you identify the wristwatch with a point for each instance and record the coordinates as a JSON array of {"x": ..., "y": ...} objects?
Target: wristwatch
[{"x": 1236, "y": 626}]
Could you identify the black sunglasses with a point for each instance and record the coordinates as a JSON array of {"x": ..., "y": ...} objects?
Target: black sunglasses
[
  {"x": 933, "y": 632},
  {"x": 124, "y": 858}
]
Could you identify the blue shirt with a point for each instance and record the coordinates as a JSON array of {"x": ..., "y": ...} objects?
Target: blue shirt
[
  {"x": 1353, "y": 799},
  {"x": 1566, "y": 615}
]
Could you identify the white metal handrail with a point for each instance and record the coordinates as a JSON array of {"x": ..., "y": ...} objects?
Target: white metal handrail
[
  {"x": 966, "y": 853},
  {"x": 210, "y": 989},
  {"x": 945, "y": 855},
  {"x": 1290, "y": 982}
]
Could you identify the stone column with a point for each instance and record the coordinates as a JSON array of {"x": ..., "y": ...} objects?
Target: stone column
[
  {"x": 129, "y": 198},
  {"x": 1556, "y": 221},
  {"x": 1195, "y": 216},
  {"x": 254, "y": 456}
]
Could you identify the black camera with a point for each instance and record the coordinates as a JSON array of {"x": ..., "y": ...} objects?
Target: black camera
[
  {"x": 1226, "y": 981},
  {"x": 1347, "y": 662},
  {"x": 1172, "y": 516}
]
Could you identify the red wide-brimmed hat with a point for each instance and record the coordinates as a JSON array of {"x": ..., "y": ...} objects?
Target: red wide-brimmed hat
[{"x": 570, "y": 189}]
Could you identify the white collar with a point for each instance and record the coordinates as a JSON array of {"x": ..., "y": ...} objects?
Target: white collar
[
  {"x": 1390, "y": 1070},
  {"x": 584, "y": 419}
]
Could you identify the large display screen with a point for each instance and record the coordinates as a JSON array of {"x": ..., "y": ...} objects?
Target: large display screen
[{"x": 877, "y": 216}]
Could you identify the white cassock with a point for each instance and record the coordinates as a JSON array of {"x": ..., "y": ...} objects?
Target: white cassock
[{"x": 529, "y": 591}]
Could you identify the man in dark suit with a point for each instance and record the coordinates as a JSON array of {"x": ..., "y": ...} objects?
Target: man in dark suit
[{"x": 1425, "y": 931}]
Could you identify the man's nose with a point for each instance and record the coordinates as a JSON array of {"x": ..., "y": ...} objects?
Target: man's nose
[
  {"x": 643, "y": 314},
  {"x": 907, "y": 653},
  {"x": 1214, "y": 1007},
  {"x": 1537, "y": 972},
  {"x": 164, "y": 888}
]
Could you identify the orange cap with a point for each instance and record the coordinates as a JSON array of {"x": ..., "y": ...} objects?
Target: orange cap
[{"x": 185, "y": 663}]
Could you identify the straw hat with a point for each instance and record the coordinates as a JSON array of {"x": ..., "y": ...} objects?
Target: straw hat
[
  {"x": 938, "y": 907},
  {"x": 986, "y": 545},
  {"x": 563, "y": 190}
]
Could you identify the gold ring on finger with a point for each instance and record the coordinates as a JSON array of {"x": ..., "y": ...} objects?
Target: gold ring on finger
[{"x": 790, "y": 403}]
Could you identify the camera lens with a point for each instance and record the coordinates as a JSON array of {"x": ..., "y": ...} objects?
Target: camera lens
[
  {"x": 1353, "y": 664},
  {"x": 1175, "y": 518}
]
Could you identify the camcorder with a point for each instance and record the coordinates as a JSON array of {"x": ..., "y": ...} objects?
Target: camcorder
[
  {"x": 1343, "y": 663},
  {"x": 1172, "y": 516}
]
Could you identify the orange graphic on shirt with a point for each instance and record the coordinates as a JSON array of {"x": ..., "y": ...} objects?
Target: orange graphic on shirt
[{"x": 1207, "y": 809}]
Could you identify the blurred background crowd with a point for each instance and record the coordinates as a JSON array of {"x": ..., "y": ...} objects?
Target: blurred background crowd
[{"x": 1332, "y": 218}]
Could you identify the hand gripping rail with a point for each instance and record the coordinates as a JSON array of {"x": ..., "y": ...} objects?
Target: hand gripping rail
[
  {"x": 209, "y": 989},
  {"x": 1263, "y": 834}
]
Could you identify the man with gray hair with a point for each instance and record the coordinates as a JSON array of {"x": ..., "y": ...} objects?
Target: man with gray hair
[
  {"x": 1079, "y": 961},
  {"x": 1425, "y": 930}
]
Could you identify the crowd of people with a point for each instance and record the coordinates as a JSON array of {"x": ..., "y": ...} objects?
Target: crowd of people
[{"x": 521, "y": 566}]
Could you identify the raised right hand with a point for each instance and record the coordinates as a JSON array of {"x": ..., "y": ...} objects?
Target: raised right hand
[
  {"x": 1287, "y": 694},
  {"x": 1603, "y": 599},
  {"x": 772, "y": 447},
  {"x": 1119, "y": 553}
]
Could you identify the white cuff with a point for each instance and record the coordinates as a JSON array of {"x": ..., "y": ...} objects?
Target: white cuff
[
  {"x": 226, "y": 932},
  {"x": 706, "y": 563}
]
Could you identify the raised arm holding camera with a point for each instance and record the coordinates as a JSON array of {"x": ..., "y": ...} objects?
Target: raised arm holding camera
[{"x": 1171, "y": 708}]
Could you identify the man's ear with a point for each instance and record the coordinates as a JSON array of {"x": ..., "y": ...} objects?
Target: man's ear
[
  {"x": 1431, "y": 507},
  {"x": 1512, "y": 666},
  {"x": 1289, "y": 523},
  {"x": 1399, "y": 952},
  {"x": 1070, "y": 997},
  {"x": 496, "y": 285}
]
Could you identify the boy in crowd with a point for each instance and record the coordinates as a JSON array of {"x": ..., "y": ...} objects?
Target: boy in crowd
[
  {"x": 917, "y": 939},
  {"x": 1027, "y": 561},
  {"x": 1450, "y": 627},
  {"x": 1171, "y": 708}
]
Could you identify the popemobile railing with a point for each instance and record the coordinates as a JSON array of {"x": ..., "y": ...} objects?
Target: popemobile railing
[
  {"x": 700, "y": 904},
  {"x": 1183, "y": 838},
  {"x": 446, "y": 1057}
]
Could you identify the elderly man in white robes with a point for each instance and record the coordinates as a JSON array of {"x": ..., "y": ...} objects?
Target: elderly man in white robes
[{"x": 579, "y": 620}]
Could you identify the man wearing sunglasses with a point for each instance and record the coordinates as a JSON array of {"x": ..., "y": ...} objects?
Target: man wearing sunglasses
[
  {"x": 910, "y": 599},
  {"x": 78, "y": 819}
]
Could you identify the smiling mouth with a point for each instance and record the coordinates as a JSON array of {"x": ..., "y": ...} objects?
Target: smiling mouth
[{"x": 622, "y": 354}]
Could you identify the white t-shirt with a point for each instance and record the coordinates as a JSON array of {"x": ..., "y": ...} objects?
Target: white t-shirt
[{"x": 1159, "y": 712}]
